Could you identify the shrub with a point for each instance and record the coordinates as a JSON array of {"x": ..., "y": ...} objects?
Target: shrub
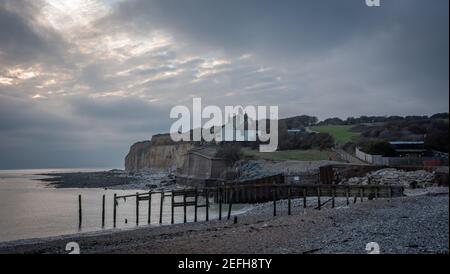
[
  {"x": 379, "y": 148},
  {"x": 229, "y": 151}
]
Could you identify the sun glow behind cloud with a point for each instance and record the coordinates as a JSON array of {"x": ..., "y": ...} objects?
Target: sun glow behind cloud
[
  {"x": 121, "y": 60},
  {"x": 66, "y": 15}
]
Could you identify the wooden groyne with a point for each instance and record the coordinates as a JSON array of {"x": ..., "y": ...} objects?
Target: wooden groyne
[
  {"x": 264, "y": 192},
  {"x": 229, "y": 194}
]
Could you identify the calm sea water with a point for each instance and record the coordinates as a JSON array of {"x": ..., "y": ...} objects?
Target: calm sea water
[{"x": 31, "y": 209}]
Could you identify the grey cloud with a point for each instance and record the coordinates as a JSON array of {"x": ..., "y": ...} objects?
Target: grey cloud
[
  {"x": 22, "y": 39},
  {"x": 325, "y": 58}
]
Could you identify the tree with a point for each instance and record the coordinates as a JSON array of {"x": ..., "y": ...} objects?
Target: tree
[
  {"x": 230, "y": 151},
  {"x": 322, "y": 141}
]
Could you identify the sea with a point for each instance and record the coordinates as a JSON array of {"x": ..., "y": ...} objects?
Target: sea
[{"x": 33, "y": 209}]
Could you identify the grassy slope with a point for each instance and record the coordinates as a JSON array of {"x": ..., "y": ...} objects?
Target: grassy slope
[
  {"x": 341, "y": 134},
  {"x": 299, "y": 155}
]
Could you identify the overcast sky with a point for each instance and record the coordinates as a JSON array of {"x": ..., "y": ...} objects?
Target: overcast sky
[{"x": 80, "y": 81}]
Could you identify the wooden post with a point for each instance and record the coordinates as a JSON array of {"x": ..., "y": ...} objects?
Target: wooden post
[
  {"x": 376, "y": 192},
  {"x": 361, "y": 193},
  {"x": 347, "y": 194},
  {"x": 319, "y": 206},
  {"x": 274, "y": 200},
  {"x": 289, "y": 200},
  {"x": 161, "y": 204},
  {"x": 390, "y": 192},
  {"x": 172, "y": 210},
  {"x": 207, "y": 206},
  {"x": 305, "y": 190},
  {"x": 114, "y": 210},
  {"x": 220, "y": 202},
  {"x": 103, "y": 211},
  {"x": 137, "y": 208},
  {"x": 184, "y": 207},
  {"x": 196, "y": 205},
  {"x": 149, "y": 214},
  {"x": 79, "y": 212},
  {"x": 230, "y": 203},
  {"x": 225, "y": 196},
  {"x": 333, "y": 193}
]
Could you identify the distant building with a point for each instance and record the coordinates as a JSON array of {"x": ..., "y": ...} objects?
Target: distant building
[
  {"x": 409, "y": 148},
  {"x": 296, "y": 130},
  {"x": 239, "y": 128},
  {"x": 408, "y": 153}
]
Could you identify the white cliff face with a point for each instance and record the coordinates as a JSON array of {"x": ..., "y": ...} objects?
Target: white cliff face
[
  {"x": 137, "y": 157},
  {"x": 160, "y": 153}
]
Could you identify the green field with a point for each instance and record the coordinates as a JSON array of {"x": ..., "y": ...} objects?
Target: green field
[
  {"x": 299, "y": 155},
  {"x": 341, "y": 134}
]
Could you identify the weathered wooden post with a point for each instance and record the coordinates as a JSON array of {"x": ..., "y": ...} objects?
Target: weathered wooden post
[
  {"x": 347, "y": 194},
  {"x": 361, "y": 193},
  {"x": 137, "y": 208},
  {"x": 220, "y": 203},
  {"x": 289, "y": 200},
  {"x": 184, "y": 207},
  {"x": 230, "y": 203},
  {"x": 103, "y": 211},
  {"x": 333, "y": 196},
  {"x": 207, "y": 206},
  {"x": 274, "y": 200},
  {"x": 390, "y": 192},
  {"x": 196, "y": 205},
  {"x": 376, "y": 192},
  {"x": 114, "y": 210},
  {"x": 304, "y": 196},
  {"x": 172, "y": 210},
  {"x": 161, "y": 204},
  {"x": 319, "y": 206},
  {"x": 80, "y": 218},
  {"x": 149, "y": 214}
]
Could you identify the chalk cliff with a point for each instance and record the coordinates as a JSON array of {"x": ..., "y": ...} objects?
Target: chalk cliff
[{"x": 160, "y": 152}]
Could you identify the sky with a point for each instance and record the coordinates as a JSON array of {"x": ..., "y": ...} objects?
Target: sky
[{"x": 82, "y": 80}]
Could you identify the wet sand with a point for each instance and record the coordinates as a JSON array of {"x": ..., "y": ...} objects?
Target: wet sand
[{"x": 117, "y": 179}]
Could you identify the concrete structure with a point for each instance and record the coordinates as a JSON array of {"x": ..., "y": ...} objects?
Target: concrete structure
[{"x": 202, "y": 168}]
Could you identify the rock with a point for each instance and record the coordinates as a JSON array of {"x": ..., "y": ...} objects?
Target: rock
[
  {"x": 167, "y": 182},
  {"x": 391, "y": 176}
]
